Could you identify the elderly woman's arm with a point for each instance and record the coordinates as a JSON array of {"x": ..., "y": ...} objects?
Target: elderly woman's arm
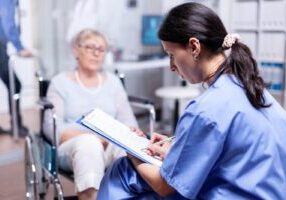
[{"x": 64, "y": 130}]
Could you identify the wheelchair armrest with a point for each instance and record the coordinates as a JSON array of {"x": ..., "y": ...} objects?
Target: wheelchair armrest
[
  {"x": 141, "y": 100},
  {"x": 45, "y": 103},
  {"x": 147, "y": 104}
]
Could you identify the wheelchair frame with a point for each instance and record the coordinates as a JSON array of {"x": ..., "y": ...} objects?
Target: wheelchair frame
[
  {"x": 41, "y": 166},
  {"x": 40, "y": 175},
  {"x": 141, "y": 103}
]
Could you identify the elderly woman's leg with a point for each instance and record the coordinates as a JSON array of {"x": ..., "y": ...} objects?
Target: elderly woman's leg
[
  {"x": 87, "y": 194},
  {"x": 84, "y": 155}
]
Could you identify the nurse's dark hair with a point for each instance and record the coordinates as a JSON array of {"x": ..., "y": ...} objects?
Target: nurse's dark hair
[{"x": 196, "y": 20}]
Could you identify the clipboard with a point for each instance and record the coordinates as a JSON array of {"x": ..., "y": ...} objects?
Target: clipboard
[{"x": 112, "y": 130}]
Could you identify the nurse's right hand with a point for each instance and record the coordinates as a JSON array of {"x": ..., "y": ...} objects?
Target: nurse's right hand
[
  {"x": 157, "y": 137},
  {"x": 156, "y": 148}
]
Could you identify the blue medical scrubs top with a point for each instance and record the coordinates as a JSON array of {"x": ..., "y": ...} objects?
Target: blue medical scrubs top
[
  {"x": 226, "y": 149},
  {"x": 8, "y": 28}
]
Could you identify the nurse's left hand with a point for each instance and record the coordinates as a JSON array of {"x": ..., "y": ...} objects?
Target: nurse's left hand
[{"x": 137, "y": 131}]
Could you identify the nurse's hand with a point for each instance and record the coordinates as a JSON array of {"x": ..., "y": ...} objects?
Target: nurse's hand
[
  {"x": 157, "y": 137},
  {"x": 156, "y": 148}
]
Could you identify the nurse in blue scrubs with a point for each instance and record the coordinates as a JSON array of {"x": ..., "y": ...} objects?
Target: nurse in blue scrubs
[{"x": 230, "y": 141}]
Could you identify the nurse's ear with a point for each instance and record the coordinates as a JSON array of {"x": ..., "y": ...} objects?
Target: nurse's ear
[{"x": 194, "y": 47}]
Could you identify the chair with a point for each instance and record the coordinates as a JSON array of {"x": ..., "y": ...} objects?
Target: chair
[{"x": 41, "y": 166}]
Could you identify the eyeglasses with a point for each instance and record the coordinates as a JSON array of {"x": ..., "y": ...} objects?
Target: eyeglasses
[{"x": 91, "y": 48}]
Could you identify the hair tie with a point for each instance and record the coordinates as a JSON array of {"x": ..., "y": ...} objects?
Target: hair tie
[{"x": 229, "y": 40}]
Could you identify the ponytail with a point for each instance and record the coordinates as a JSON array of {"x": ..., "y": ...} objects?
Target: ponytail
[
  {"x": 241, "y": 63},
  {"x": 196, "y": 20}
]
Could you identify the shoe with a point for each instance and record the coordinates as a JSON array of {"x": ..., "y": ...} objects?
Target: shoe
[
  {"x": 4, "y": 131},
  {"x": 23, "y": 131}
]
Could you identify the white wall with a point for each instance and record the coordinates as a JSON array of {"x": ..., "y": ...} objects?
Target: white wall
[
  {"x": 119, "y": 22},
  {"x": 45, "y": 24}
]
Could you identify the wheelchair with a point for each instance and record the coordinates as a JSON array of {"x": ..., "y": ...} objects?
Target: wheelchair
[{"x": 41, "y": 165}]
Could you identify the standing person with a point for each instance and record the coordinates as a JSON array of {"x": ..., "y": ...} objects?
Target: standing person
[
  {"x": 73, "y": 94},
  {"x": 9, "y": 32},
  {"x": 230, "y": 142}
]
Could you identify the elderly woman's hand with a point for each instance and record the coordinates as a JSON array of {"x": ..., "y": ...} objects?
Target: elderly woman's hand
[{"x": 138, "y": 131}]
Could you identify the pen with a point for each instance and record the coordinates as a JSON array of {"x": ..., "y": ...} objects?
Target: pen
[{"x": 168, "y": 139}]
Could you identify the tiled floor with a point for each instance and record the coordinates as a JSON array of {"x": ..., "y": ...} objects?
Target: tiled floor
[
  {"x": 12, "y": 181},
  {"x": 12, "y": 175}
]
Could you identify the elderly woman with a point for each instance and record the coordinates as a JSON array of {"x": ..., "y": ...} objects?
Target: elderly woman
[{"x": 73, "y": 94}]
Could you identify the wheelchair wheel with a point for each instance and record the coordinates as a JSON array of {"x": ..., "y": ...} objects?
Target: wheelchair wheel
[{"x": 31, "y": 180}]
